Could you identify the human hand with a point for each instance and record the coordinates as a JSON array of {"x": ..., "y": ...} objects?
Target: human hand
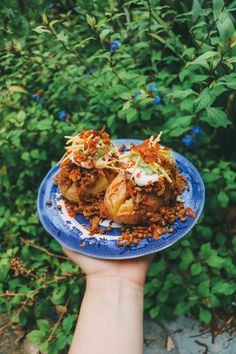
[{"x": 133, "y": 270}]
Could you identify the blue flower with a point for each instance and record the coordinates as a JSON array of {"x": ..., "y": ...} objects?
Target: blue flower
[
  {"x": 157, "y": 100},
  {"x": 188, "y": 140},
  {"x": 41, "y": 100},
  {"x": 196, "y": 129},
  {"x": 152, "y": 88},
  {"x": 138, "y": 93},
  {"x": 115, "y": 44},
  {"x": 62, "y": 115},
  {"x": 33, "y": 96}
]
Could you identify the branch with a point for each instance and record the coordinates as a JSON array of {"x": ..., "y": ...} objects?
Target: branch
[
  {"x": 30, "y": 243},
  {"x": 58, "y": 321}
]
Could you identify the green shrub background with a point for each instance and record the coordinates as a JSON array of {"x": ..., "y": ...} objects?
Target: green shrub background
[{"x": 56, "y": 59}]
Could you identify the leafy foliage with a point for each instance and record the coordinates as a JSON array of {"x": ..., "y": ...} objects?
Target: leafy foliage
[{"x": 136, "y": 67}]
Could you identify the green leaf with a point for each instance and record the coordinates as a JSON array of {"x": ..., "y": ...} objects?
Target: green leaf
[
  {"x": 196, "y": 269},
  {"x": 223, "y": 288},
  {"x": 131, "y": 115},
  {"x": 82, "y": 43},
  {"x": 216, "y": 117},
  {"x": 207, "y": 251},
  {"x": 4, "y": 268},
  {"x": 52, "y": 23},
  {"x": 41, "y": 29},
  {"x": 182, "y": 93},
  {"x": 43, "y": 346},
  {"x": 61, "y": 342},
  {"x": 196, "y": 10},
  {"x": 224, "y": 23},
  {"x": 218, "y": 6},
  {"x": 223, "y": 199},
  {"x": 157, "y": 268},
  {"x": 154, "y": 312},
  {"x": 44, "y": 124},
  {"x": 204, "y": 288},
  {"x": 187, "y": 258},
  {"x": 91, "y": 20},
  {"x": 43, "y": 325},
  {"x": 182, "y": 308},
  {"x": 163, "y": 41},
  {"x": 15, "y": 88},
  {"x": 205, "y": 315},
  {"x": 68, "y": 323},
  {"x": 25, "y": 156},
  {"x": 178, "y": 131},
  {"x": 215, "y": 261},
  {"x": 104, "y": 33},
  {"x": 125, "y": 95},
  {"x": 228, "y": 80},
  {"x": 126, "y": 105},
  {"x": 202, "y": 59},
  {"x": 204, "y": 99},
  {"x": 35, "y": 336},
  {"x": 58, "y": 293},
  {"x": 21, "y": 116}
]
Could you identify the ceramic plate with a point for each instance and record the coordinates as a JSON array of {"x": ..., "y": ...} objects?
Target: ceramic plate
[{"x": 70, "y": 233}]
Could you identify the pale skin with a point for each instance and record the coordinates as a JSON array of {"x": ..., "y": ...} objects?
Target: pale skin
[{"x": 111, "y": 315}]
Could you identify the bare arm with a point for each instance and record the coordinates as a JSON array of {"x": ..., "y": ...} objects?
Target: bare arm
[{"x": 111, "y": 315}]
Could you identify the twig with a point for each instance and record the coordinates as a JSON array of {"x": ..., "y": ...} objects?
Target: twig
[
  {"x": 58, "y": 321},
  {"x": 202, "y": 345},
  {"x": 209, "y": 29},
  {"x": 30, "y": 243},
  {"x": 12, "y": 320},
  {"x": 68, "y": 50}
]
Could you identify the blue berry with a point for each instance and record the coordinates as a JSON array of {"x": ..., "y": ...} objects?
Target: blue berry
[
  {"x": 196, "y": 129},
  {"x": 188, "y": 140},
  {"x": 152, "y": 88},
  {"x": 115, "y": 44},
  {"x": 62, "y": 115},
  {"x": 138, "y": 93},
  {"x": 33, "y": 96},
  {"x": 157, "y": 100}
]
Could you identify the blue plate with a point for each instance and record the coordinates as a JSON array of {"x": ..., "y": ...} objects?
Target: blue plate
[{"x": 71, "y": 233}]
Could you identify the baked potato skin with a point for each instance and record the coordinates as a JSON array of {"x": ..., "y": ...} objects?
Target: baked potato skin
[
  {"x": 120, "y": 206},
  {"x": 73, "y": 191}
]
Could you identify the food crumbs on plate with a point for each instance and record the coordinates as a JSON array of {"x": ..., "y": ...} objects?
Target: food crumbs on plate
[
  {"x": 49, "y": 202},
  {"x": 59, "y": 206},
  {"x": 83, "y": 244},
  {"x": 170, "y": 230}
]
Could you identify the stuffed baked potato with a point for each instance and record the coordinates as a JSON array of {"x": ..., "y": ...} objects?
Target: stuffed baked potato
[
  {"x": 88, "y": 166},
  {"x": 148, "y": 180}
]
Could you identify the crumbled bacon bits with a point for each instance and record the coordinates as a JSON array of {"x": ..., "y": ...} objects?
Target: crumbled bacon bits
[{"x": 158, "y": 224}]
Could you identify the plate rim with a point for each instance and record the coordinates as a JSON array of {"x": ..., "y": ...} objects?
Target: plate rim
[{"x": 144, "y": 251}]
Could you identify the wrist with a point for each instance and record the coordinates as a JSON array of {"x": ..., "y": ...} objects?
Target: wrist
[{"x": 113, "y": 284}]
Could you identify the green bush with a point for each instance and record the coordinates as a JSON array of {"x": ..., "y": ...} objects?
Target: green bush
[{"x": 84, "y": 64}]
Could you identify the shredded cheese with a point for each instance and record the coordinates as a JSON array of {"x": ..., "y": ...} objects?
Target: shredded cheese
[{"x": 162, "y": 170}]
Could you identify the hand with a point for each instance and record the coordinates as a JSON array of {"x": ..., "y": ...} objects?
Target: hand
[{"x": 133, "y": 270}]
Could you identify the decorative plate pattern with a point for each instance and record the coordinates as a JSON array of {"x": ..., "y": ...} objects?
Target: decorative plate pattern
[{"x": 71, "y": 233}]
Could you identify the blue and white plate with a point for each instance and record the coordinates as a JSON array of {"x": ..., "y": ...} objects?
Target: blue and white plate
[{"x": 71, "y": 233}]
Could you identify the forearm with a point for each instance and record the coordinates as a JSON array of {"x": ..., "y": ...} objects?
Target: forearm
[{"x": 110, "y": 319}]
